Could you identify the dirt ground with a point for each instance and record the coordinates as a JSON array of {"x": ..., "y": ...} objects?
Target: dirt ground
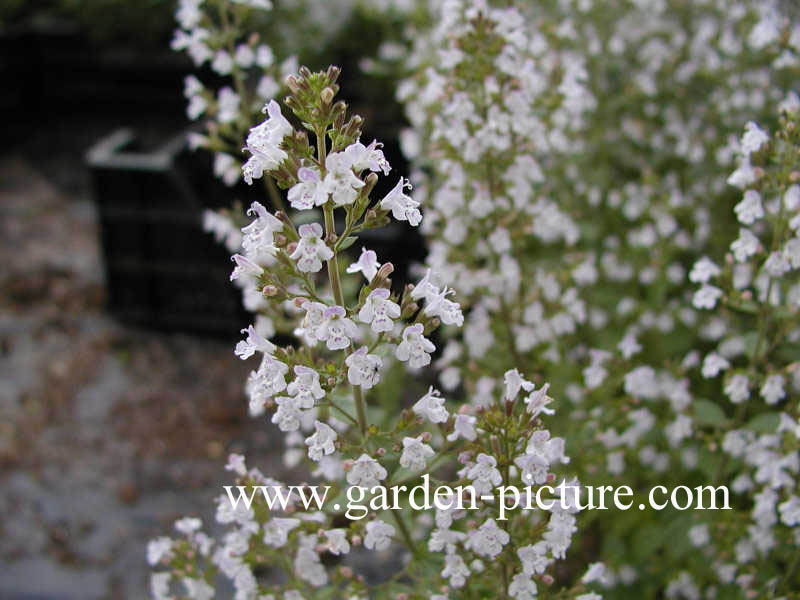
[{"x": 107, "y": 434}]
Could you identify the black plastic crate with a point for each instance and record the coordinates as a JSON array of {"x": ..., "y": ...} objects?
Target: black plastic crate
[{"x": 162, "y": 270}]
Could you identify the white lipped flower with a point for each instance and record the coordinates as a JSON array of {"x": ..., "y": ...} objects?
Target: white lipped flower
[
  {"x": 773, "y": 389},
  {"x": 337, "y": 330},
  {"x": 244, "y": 267},
  {"x": 484, "y": 474},
  {"x": 737, "y": 388},
  {"x": 311, "y": 249},
  {"x": 367, "y": 264},
  {"x": 308, "y": 192},
  {"x": 340, "y": 182},
  {"x": 522, "y": 587},
  {"x": 379, "y": 535},
  {"x": 703, "y": 271},
  {"x": 415, "y": 348},
  {"x": 745, "y": 246},
  {"x": 288, "y": 414},
  {"x": 706, "y": 296},
  {"x": 305, "y": 387},
  {"x": 431, "y": 407},
  {"x": 378, "y": 311},
  {"x": 321, "y": 442},
  {"x": 403, "y": 207},
  {"x": 415, "y": 453},
  {"x": 258, "y": 236},
  {"x": 227, "y": 105},
  {"x": 439, "y": 305},
  {"x": 368, "y": 157},
  {"x": 363, "y": 368},
  {"x": 252, "y": 344},
  {"x": 750, "y": 209},
  {"x": 263, "y": 143},
  {"x": 337, "y": 541},
  {"x": 366, "y": 472},
  {"x": 487, "y": 540},
  {"x": 463, "y": 427},
  {"x": 753, "y": 138},
  {"x": 277, "y": 530}
]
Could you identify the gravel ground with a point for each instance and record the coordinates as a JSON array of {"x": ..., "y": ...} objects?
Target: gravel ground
[{"x": 107, "y": 435}]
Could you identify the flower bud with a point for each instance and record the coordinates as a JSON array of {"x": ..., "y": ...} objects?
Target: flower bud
[
  {"x": 380, "y": 452},
  {"x": 326, "y": 95},
  {"x": 547, "y": 579}
]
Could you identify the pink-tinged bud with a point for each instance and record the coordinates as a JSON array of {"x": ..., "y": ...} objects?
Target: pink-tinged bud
[
  {"x": 292, "y": 83},
  {"x": 291, "y": 247},
  {"x": 547, "y": 579},
  {"x": 326, "y": 95},
  {"x": 346, "y": 572},
  {"x": 551, "y": 477},
  {"x": 269, "y": 291},
  {"x": 464, "y": 457},
  {"x": 794, "y": 176},
  {"x": 347, "y": 465},
  {"x": 747, "y": 295},
  {"x": 401, "y": 596},
  {"x": 426, "y": 437},
  {"x": 380, "y": 452},
  {"x": 298, "y": 302},
  {"x": 728, "y": 258},
  {"x": 758, "y": 172},
  {"x": 465, "y": 409},
  {"x": 471, "y": 524},
  {"x": 396, "y": 448},
  {"x": 444, "y": 589},
  {"x": 280, "y": 240},
  {"x": 385, "y": 270},
  {"x": 360, "y": 579}
]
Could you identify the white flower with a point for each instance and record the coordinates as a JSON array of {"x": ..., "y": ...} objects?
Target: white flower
[
  {"x": 189, "y": 14},
  {"x": 790, "y": 511},
  {"x": 488, "y": 540},
  {"x": 750, "y": 209},
  {"x": 311, "y": 249},
  {"x": 276, "y": 531},
  {"x": 777, "y": 264},
  {"x": 534, "y": 558},
  {"x": 362, "y": 368},
  {"x": 379, "y": 311},
  {"x": 336, "y": 329},
  {"x": 159, "y": 585},
  {"x": 703, "y": 271},
  {"x": 448, "y": 311},
  {"x": 258, "y": 241},
  {"x": 596, "y": 572},
  {"x": 227, "y": 105},
  {"x": 197, "y": 589},
  {"x": 340, "y": 181},
  {"x": 415, "y": 453},
  {"x": 366, "y": 472},
  {"x": 379, "y": 535},
  {"x": 522, "y": 587},
  {"x": 745, "y": 245},
  {"x": 222, "y": 63},
  {"x": 308, "y": 192},
  {"x": 244, "y": 56},
  {"x": 772, "y": 390},
  {"x": 321, "y": 443},
  {"x": 484, "y": 474},
  {"x": 268, "y": 380},
  {"x": 455, "y": 570},
  {"x": 402, "y": 206},
  {"x": 287, "y": 416},
  {"x": 463, "y": 427},
  {"x": 737, "y": 388},
  {"x": 514, "y": 382},
  {"x": 188, "y": 525},
  {"x": 425, "y": 288},
  {"x": 415, "y": 347},
  {"x": 368, "y": 157},
  {"x": 159, "y": 549},
  {"x": 312, "y": 322},
  {"x": 337, "y": 541},
  {"x": 263, "y": 143},
  {"x": 244, "y": 267},
  {"x": 538, "y": 400},
  {"x": 753, "y": 138},
  {"x": 699, "y": 535},
  {"x": 706, "y": 296},
  {"x": 367, "y": 264},
  {"x": 431, "y": 407},
  {"x": 194, "y": 43},
  {"x": 305, "y": 387},
  {"x": 254, "y": 343}
]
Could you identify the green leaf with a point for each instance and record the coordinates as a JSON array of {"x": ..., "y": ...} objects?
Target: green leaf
[
  {"x": 347, "y": 242},
  {"x": 709, "y": 413},
  {"x": 764, "y": 423}
]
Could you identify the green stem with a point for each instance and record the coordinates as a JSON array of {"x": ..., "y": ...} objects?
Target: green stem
[
  {"x": 401, "y": 525},
  {"x": 336, "y": 284}
]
